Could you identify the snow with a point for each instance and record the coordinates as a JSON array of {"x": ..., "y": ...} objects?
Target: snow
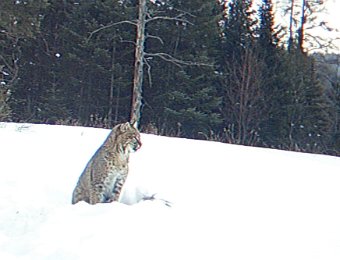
[{"x": 227, "y": 201}]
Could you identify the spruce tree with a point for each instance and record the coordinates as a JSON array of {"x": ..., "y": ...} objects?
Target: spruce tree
[
  {"x": 185, "y": 100},
  {"x": 102, "y": 58},
  {"x": 307, "y": 108},
  {"x": 272, "y": 55},
  {"x": 74, "y": 71},
  {"x": 317, "y": 113},
  {"x": 19, "y": 24},
  {"x": 238, "y": 29}
]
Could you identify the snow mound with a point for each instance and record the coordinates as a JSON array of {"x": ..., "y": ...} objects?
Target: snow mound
[{"x": 227, "y": 201}]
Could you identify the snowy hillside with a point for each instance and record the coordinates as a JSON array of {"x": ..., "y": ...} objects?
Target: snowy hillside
[{"x": 228, "y": 202}]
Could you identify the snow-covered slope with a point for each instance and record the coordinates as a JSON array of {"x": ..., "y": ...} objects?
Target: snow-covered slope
[{"x": 228, "y": 202}]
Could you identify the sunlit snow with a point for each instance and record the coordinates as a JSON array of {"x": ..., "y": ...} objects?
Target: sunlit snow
[{"x": 227, "y": 201}]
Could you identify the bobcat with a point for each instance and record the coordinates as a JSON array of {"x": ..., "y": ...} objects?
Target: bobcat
[{"x": 106, "y": 172}]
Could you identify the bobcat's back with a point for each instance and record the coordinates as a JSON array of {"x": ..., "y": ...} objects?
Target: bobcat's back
[{"x": 107, "y": 170}]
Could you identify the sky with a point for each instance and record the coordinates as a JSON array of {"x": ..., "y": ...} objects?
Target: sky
[
  {"x": 334, "y": 18},
  {"x": 330, "y": 15},
  {"x": 333, "y": 8}
]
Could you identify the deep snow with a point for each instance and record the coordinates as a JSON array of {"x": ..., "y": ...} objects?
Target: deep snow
[{"x": 228, "y": 201}]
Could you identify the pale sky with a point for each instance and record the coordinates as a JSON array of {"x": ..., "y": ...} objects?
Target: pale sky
[
  {"x": 333, "y": 9},
  {"x": 331, "y": 16},
  {"x": 334, "y": 17}
]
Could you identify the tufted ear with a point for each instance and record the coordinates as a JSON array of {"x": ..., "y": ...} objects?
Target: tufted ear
[
  {"x": 125, "y": 126},
  {"x": 134, "y": 123}
]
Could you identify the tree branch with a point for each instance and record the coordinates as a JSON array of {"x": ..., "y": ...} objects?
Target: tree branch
[
  {"x": 182, "y": 12},
  {"x": 319, "y": 43},
  {"x": 108, "y": 26},
  {"x": 155, "y": 37},
  {"x": 149, "y": 71},
  {"x": 177, "y": 62},
  {"x": 177, "y": 19},
  {"x": 5, "y": 62}
]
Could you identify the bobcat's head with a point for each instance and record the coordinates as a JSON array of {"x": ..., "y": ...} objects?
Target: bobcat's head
[{"x": 128, "y": 137}]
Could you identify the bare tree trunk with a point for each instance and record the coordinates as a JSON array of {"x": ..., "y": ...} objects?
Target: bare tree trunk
[
  {"x": 302, "y": 26},
  {"x": 5, "y": 110},
  {"x": 337, "y": 94},
  {"x": 110, "y": 112},
  {"x": 138, "y": 68},
  {"x": 244, "y": 94},
  {"x": 117, "y": 104},
  {"x": 290, "y": 41},
  {"x": 136, "y": 100}
]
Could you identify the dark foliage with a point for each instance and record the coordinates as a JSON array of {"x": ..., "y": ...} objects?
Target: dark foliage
[{"x": 213, "y": 70}]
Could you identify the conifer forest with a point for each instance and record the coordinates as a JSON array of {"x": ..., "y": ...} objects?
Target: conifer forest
[{"x": 204, "y": 69}]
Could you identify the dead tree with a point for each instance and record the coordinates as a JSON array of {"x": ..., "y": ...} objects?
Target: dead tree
[
  {"x": 137, "y": 89},
  {"x": 291, "y": 20},
  {"x": 245, "y": 99},
  {"x": 301, "y": 34},
  {"x": 144, "y": 17}
]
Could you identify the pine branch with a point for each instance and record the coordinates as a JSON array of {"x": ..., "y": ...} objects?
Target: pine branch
[
  {"x": 155, "y": 37},
  {"x": 177, "y": 19},
  {"x": 109, "y": 26},
  {"x": 149, "y": 71},
  {"x": 177, "y": 62}
]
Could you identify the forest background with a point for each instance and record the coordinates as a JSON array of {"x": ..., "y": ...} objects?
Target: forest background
[{"x": 216, "y": 70}]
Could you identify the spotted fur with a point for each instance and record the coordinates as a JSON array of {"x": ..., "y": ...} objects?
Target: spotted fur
[{"x": 105, "y": 174}]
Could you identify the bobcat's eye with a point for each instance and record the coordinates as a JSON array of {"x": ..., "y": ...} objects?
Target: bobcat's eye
[{"x": 137, "y": 143}]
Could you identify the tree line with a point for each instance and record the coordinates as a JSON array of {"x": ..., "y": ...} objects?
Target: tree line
[{"x": 217, "y": 70}]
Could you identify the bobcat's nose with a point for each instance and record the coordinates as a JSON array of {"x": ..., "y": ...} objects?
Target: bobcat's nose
[{"x": 137, "y": 144}]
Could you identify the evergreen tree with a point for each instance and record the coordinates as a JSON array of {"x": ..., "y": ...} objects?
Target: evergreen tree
[
  {"x": 185, "y": 100},
  {"x": 306, "y": 105},
  {"x": 335, "y": 138},
  {"x": 79, "y": 67},
  {"x": 268, "y": 36},
  {"x": 209, "y": 66},
  {"x": 238, "y": 29},
  {"x": 103, "y": 59},
  {"x": 272, "y": 55},
  {"x": 19, "y": 23},
  {"x": 317, "y": 114}
]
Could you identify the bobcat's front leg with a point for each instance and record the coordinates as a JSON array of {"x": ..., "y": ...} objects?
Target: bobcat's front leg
[
  {"x": 97, "y": 194},
  {"x": 117, "y": 188}
]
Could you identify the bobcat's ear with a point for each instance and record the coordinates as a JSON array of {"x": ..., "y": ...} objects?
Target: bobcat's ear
[
  {"x": 134, "y": 123},
  {"x": 124, "y": 127}
]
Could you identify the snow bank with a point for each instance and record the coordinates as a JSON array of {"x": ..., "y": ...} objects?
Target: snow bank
[{"x": 228, "y": 201}]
